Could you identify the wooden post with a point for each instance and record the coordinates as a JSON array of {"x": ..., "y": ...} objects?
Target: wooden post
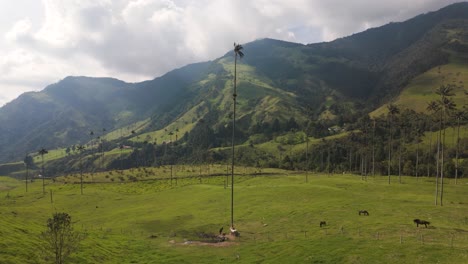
[{"x": 51, "y": 200}]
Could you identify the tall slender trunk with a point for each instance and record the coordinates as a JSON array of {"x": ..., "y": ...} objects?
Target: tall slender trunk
[
  {"x": 442, "y": 161},
  {"x": 27, "y": 175},
  {"x": 307, "y": 159},
  {"x": 417, "y": 158},
  {"x": 373, "y": 151},
  {"x": 43, "y": 176},
  {"x": 457, "y": 150},
  {"x": 429, "y": 155},
  {"x": 389, "y": 152},
  {"x": 437, "y": 160},
  {"x": 234, "y": 97}
]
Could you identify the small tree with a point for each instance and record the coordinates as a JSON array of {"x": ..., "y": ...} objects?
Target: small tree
[{"x": 60, "y": 238}]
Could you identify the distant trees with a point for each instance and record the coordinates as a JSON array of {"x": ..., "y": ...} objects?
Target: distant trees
[{"x": 59, "y": 237}]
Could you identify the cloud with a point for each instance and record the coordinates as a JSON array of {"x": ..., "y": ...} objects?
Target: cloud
[{"x": 136, "y": 40}]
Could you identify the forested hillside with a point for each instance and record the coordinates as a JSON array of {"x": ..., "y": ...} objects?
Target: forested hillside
[{"x": 291, "y": 99}]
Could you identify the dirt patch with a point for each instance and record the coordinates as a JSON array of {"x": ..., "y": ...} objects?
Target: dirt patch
[
  {"x": 217, "y": 244},
  {"x": 226, "y": 243}
]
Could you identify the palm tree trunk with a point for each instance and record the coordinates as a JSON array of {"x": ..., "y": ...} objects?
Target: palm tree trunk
[
  {"x": 457, "y": 150},
  {"x": 27, "y": 175},
  {"x": 389, "y": 155},
  {"x": 417, "y": 158},
  {"x": 373, "y": 151},
  {"x": 307, "y": 158},
  {"x": 234, "y": 97},
  {"x": 442, "y": 163},
  {"x": 43, "y": 176},
  {"x": 439, "y": 137}
]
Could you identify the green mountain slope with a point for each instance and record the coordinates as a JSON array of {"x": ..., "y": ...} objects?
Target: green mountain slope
[{"x": 332, "y": 83}]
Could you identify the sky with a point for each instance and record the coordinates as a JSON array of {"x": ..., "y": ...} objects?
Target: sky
[{"x": 44, "y": 41}]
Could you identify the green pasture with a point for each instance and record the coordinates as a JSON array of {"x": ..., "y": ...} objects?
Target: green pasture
[{"x": 278, "y": 215}]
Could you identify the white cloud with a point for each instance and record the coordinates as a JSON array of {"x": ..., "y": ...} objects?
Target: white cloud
[{"x": 139, "y": 39}]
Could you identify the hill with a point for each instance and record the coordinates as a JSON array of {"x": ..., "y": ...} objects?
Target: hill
[{"x": 282, "y": 86}]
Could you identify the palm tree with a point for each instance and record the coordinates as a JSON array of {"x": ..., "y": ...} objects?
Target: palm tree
[
  {"x": 42, "y": 152},
  {"x": 392, "y": 111},
  {"x": 447, "y": 106},
  {"x": 434, "y": 107},
  {"x": 27, "y": 161},
  {"x": 170, "y": 140},
  {"x": 373, "y": 148},
  {"x": 307, "y": 158},
  {"x": 458, "y": 116},
  {"x": 237, "y": 53},
  {"x": 81, "y": 148}
]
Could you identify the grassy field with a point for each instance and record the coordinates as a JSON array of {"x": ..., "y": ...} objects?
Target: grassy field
[{"x": 277, "y": 215}]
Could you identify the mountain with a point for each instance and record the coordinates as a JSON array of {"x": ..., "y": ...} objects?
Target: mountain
[{"x": 332, "y": 83}]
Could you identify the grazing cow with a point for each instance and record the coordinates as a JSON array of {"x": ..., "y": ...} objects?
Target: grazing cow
[
  {"x": 363, "y": 212},
  {"x": 421, "y": 222},
  {"x": 323, "y": 223}
]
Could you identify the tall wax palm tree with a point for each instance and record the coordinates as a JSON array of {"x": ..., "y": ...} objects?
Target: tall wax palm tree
[
  {"x": 393, "y": 110},
  {"x": 373, "y": 148},
  {"x": 434, "y": 107},
  {"x": 81, "y": 148},
  {"x": 27, "y": 162},
  {"x": 42, "y": 152},
  {"x": 170, "y": 140},
  {"x": 459, "y": 115},
  {"x": 237, "y": 53},
  {"x": 447, "y": 106}
]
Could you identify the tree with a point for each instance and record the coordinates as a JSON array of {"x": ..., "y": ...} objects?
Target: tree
[
  {"x": 42, "y": 152},
  {"x": 434, "y": 108},
  {"x": 393, "y": 110},
  {"x": 237, "y": 53},
  {"x": 29, "y": 162},
  {"x": 458, "y": 116},
  {"x": 81, "y": 148},
  {"x": 60, "y": 238},
  {"x": 447, "y": 105}
]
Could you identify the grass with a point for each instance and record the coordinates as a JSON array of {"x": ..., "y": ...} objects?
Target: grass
[
  {"x": 421, "y": 89},
  {"x": 277, "y": 216}
]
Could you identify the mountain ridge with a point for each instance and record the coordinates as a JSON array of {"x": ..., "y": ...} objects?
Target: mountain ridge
[{"x": 278, "y": 79}]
